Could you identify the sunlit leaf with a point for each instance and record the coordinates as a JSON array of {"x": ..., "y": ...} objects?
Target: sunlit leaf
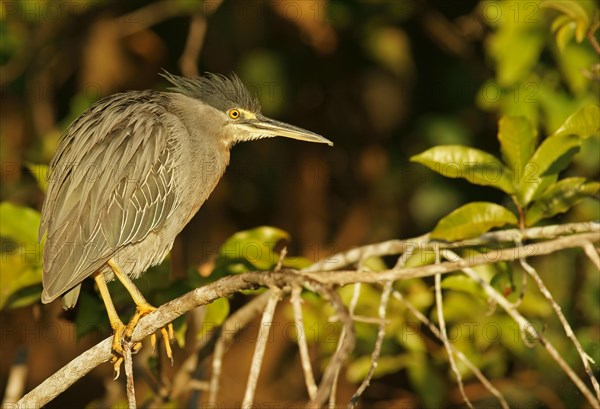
[
  {"x": 551, "y": 157},
  {"x": 463, "y": 283},
  {"x": 518, "y": 40},
  {"x": 574, "y": 11},
  {"x": 21, "y": 263},
  {"x": 471, "y": 220},
  {"x": 254, "y": 249},
  {"x": 215, "y": 314},
  {"x": 19, "y": 223},
  {"x": 477, "y": 166},
  {"x": 583, "y": 123},
  {"x": 559, "y": 198},
  {"x": 518, "y": 140},
  {"x": 564, "y": 35},
  {"x": 359, "y": 367}
]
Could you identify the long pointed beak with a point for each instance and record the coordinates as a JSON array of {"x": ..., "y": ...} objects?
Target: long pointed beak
[{"x": 270, "y": 127}]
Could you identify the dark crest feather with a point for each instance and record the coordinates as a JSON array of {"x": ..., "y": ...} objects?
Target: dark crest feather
[{"x": 217, "y": 90}]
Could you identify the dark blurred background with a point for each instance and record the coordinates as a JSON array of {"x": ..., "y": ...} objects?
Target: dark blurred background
[{"x": 382, "y": 79}]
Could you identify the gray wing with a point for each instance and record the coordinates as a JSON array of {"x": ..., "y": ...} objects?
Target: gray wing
[{"x": 110, "y": 185}]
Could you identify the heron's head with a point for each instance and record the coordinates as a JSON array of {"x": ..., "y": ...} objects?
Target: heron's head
[{"x": 238, "y": 109}]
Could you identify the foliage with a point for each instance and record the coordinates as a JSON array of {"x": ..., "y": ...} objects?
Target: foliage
[
  {"x": 453, "y": 80},
  {"x": 528, "y": 173}
]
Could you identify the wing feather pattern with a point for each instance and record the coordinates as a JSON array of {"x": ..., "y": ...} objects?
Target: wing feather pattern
[{"x": 111, "y": 184}]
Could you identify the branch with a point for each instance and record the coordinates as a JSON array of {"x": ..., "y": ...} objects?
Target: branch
[
  {"x": 435, "y": 331},
  {"x": 585, "y": 358},
  {"x": 309, "y": 377},
  {"x": 346, "y": 277},
  {"x": 527, "y": 328},
  {"x": 261, "y": 346},
  {"x": 323, "y": 280},
  {"x": 393, "y": 247}
]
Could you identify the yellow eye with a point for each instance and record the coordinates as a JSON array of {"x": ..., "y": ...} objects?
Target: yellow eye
[{"x": 234, "y": 114}]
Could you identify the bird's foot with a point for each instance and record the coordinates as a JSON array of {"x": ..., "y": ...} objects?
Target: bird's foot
[
  {"x": 118, "y": 344},
  {"x": 166, "y": 332}
]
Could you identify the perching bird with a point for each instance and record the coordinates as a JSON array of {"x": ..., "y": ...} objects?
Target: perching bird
[{"x": 130, "y": 173}]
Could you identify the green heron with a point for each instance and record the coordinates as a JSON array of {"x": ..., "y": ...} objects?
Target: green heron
[{"x": 130, "y": 173}]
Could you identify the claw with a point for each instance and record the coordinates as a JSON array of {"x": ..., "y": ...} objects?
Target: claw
[{"x": 117, "y": 366}]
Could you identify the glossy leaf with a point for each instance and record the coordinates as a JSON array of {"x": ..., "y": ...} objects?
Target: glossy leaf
[
  {"x": 583, "y": 123},
  {"x": 552, "y": 156},
  {"x": 477, "y": 166},
  {"x": 254, "y": 249},
  {"x": 471, "y": 220},
  {"x": 559, "y": 198},
  {"x": 518, "y": 140}
]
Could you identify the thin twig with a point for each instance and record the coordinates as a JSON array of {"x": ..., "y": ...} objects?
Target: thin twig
[
  {"x": 259, "y": 351},
  {"x": 528, "y": 328},
  {"x": 591, "y": 34},
  {"x": 585, "y": 358},
  {"x": 128, "y": 363},
  {"x": 188, "y": 63},
  {"x": 235, "y": 323},
  {"x": 394, "y": 247},
  {"x": 148, "y": 16},
  {"x": 446, "y": 341},
  {"x": 16, "y": 379},
  {"x": 346, "y": 277},
  {"x": 592, "y": 254},
  {"x": 341, "y": 341},
  {"x": 435, "y": 331},
  {"x": 100, "y": 353},
  {"x": 309, "y": 377},
  {"x": 331, "y": 374},
  {"x": 383, "y": 302}
]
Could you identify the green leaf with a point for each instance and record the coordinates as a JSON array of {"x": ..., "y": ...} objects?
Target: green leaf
[
  {"x": 215, "y": 314},
  {"x": 359, "y": 367},
  {"x": 583, "y": 123},
  {"x": 516, "y": 44},
  {"x": 552, "y": 156},
  {"x": 463, "y": 283},
  {"x": 503, "y": 282},
  {"x": 518, "y": 140},
  {"x": 574, "y": 11},
  {"x": 21, "y": 261},
  {"x": 559, "y": 198},
  {"x": 40, "y": 173},
  {"x": 564, "y": 35},
  {"x": 477, "y": 166},
  {"x": 471, "y": 220},
  {"x": 248, "y": 250},
  {"x": 19, "y": 223}
]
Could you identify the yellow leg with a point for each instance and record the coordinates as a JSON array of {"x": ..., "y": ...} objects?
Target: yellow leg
[
  {"x": 115, "y": 322},
  {"x": 142, "y": 308}
]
